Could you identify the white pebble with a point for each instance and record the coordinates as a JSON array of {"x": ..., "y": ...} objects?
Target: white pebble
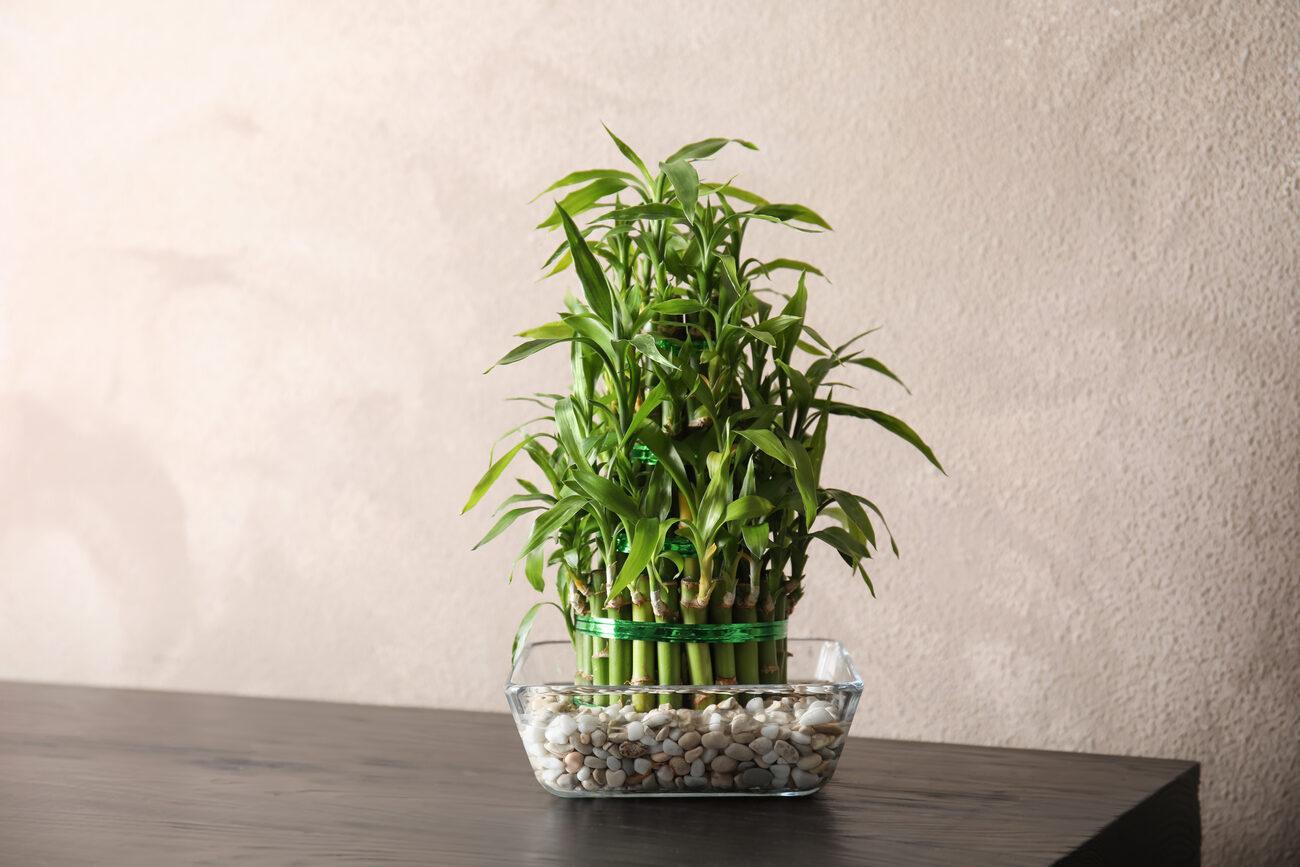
[
  {"x": 584, "y": 774},
  {"x": 535, "y": 749},
  {"x": 598, "y": 737},
  {"x": 800, "y": 737},
  {"x": 697, "y": 768},
  {"x": 587, "y": 723},
  {"x": 816, "y": 716},
  {"x": 672, "y": 748},
  {"x": 642, "y": 765},
  {"x": 635, "y": 731},
  {"x": 771, "y": 731},
  {"x": 754, "y": 705},
  {"x": 665, "y": 775},
  {"x": 534, "y": 735},
  {"x": 656, "y": 719},
  {"x": 566, "y": 724},
  {"x": 695, "y": 782},
  {"x": 552, "y": 774},
  {"x": 780, "y": 774},
  {"x": 770, "y": 758},
  {"x": 552, "y": 762},
  {"x": 614, "y": 763},
  {"x": 803, "y": 779}
]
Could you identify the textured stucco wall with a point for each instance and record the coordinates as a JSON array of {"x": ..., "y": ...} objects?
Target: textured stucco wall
[{"x": 253, "y": 259}]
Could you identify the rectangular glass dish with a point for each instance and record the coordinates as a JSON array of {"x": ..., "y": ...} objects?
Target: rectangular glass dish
[{"x": 752, "y": 739}]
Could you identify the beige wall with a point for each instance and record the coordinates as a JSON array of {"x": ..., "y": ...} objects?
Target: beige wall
[{"x": 253, "y": 260}]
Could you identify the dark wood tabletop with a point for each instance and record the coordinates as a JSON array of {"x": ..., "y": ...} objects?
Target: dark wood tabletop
[{"x": 139, "y": 778}]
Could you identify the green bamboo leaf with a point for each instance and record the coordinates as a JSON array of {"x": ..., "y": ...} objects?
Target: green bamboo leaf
[
  {"x": 878, "y": 367},
  {"x": 506, "y": 520},
  {"x": 645, "y": 344},
  {"x": 805, "y": 478},
  {"x": 584, "y": 176},
  {"x": 786, "y": 264},
  {"x": 583, "y": 199},
  {"x": 686, "y": 184},
  {"x": 786, "y": 213},
  {"x": 731, "y": 192},
  {"x": 761, "y": 336},
  {"x": 592, "y": 328},
  {"x": 551, "y": 520},
  {"x": 523, "y": 350},
  {"x": 707, "y": 148},
  {"x": 533, "y": 565},
  {"x": 676, "y": 307},
  {"x": 526, "y": 626},
  {"x": 571, "y": 433},
  {"x": 489, "y": 478},
  {"x": 854, "y": 513},
  {"x": 747, "y": 509},
  {"x": 644, "y": 541},
  {"x": 630, "y": 154},
  {"x": 649, "y": 403},
  {"x": 894, "y": 425},
  {"x": 594, "y": 286},
  {"x": 821, "y": 341},
  {"x": 657, "y": 442},
  {"x": 756, "y": 538},
  {"x": 608, "y": 494},
  {"x": 866, "y": 578},
  {"x": 651, "y": 211},
  {"x": 841, "y": 540},
  {"x": 769, "y": 444},
  {"x": 881, "y": 515},
  {"x": 800, "y": 388},
  {"x": 549, "y": 331}
]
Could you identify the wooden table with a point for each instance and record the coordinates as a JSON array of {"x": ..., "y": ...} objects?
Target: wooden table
[{"x": 130, "y": 777}]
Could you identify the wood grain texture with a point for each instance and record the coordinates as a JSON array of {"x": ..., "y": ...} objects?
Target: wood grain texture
[{"x": 129, "y": 777}]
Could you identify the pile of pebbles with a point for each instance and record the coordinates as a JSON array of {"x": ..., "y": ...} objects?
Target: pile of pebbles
[{"x": 790, "y": 744}]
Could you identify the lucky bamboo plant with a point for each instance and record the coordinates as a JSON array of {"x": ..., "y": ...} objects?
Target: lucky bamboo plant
[{"x": 679, "y": 478}]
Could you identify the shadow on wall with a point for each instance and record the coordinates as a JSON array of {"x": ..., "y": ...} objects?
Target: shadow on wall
[{"x": 92, "y": 544}]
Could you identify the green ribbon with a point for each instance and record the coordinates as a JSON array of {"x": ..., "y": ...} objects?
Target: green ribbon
[
  {"x": 672, "y": 543},
  {"x": 675, "y": 346},
  {"x": 676, "y": 633},
  {"x": 643, "y": 455}
]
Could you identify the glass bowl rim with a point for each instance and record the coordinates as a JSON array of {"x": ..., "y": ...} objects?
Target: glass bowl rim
[{"x": 798, "y": 687}]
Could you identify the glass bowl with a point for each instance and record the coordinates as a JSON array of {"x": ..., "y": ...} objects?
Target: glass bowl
[{"x": 750, "y": 739}]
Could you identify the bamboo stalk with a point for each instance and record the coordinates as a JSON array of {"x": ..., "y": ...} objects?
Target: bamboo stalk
[
  {"x": 666, "y": 601},
  {"x": 745, "y": 610},
  {"x": 695, "y": 611},
  {"x": 643, "y": 652},
  {"x": 768, "y": 670},
  {"x": 599, "y": 650},
  {"x": 620, "y": 649}
]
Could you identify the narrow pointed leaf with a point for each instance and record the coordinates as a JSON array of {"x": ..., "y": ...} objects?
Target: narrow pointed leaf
[
  {"x": 533, "y": 565},
  {"x": 489, "y": 478},
  {"x": 894, "y": 425},
  {"x": 583, "y": 199},
  {"x": 644, "y": 542},
  {"x": 707, "y": 148},
  {"x": 549, "y": 331},
  {"x": 645, "y": 344},
  {"x": 526, "y": 626},
  {"x": 769, "y": 444},
  {"x": 608, "y": 494},
  {"x": 523, "y": 350},
  {"x": 785, "y": 264},
  {"x": 686, "y": 184},
  {"x": 629, "y": 153},
  {"x": 500, "y": 526},
  {"x": 594, "y": 285},
  {"x": 747, "y": 509},
  {"x": 786, "y": 213},
  {"x": 584, "y": 176}
]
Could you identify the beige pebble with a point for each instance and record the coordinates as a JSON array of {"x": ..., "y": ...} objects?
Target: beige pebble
[
  {"x": 761, "y": 746},
  {"x": 719, "y": 780},
  {"x": 723, "y": 764},
  {"x": 785, "y": 752},
  {"x": 689, "y": 741},
  {"x": 715, "y": 740},
  {"x": 573, "y": 761},
  {"x": 808, "y": 762},
  {"x": 659, "y": 757},
  {"x": 740, "y": 752},
  {"x": 692, "y": 755}
]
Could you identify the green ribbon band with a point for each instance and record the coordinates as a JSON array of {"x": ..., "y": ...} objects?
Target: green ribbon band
[
  {"x": 643, "y": 455},
  {"x": 672, "y": 543},
  {"x": 675, "y": 346},
  {"x": 677, "y": 633}
]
